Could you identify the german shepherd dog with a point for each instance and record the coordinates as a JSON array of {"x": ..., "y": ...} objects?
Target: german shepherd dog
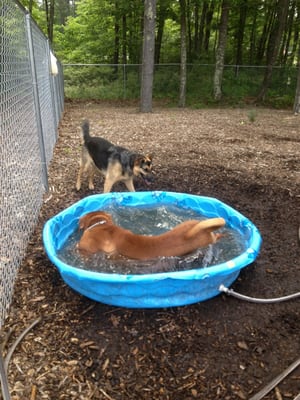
[
  {"x": 116, "y": 163},
  {"x": 100, "y": 234}
]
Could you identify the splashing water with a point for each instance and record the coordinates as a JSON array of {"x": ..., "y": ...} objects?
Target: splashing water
[{"x": 153, "y": 221}]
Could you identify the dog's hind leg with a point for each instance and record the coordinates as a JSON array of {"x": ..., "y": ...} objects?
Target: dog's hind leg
[
  {"x": 78, "y": 182},
  {"x": 86, "y": 165},
  {"x": 208, "y": 225},
  {"x": 84, "y": 168},
  {"x": 91, "y": 172}
]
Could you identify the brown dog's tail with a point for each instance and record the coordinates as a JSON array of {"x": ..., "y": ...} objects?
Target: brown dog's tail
[{"x": 208, "y": 225}]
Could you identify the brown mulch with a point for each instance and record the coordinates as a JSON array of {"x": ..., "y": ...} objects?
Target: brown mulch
[{"x": 223, "y": 348}]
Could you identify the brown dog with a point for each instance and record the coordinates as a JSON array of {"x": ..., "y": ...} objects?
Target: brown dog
[
  {"x": 116, "y": 163},
  {"x": 102, "y": 235}
]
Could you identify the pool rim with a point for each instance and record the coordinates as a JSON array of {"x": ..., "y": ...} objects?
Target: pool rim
[{"x": 235, "y": 264}]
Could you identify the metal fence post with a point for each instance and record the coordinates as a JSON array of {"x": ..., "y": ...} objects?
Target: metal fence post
[
  {"x": 52, "y": 88},
  {"x": 37, "y": 104},
  {"x": 124, "y": 81}
]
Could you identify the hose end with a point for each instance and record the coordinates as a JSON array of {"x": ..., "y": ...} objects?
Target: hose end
[{"x": 224, "y": 289}]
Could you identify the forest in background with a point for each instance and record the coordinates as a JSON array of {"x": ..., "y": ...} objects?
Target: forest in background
[{"x": 258, "y": 42}]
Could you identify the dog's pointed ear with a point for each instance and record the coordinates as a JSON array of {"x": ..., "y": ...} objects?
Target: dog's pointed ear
[{"x": 143, "y": 159}]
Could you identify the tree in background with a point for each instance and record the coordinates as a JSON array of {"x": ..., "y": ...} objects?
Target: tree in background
[
  {"x": 182, "y": 85},
  {"x": 49, "y": 8},
  {"x": 240, "y": 32},
  {"x": 163, "y": 11},
  {"x": 148, "y": 55},
  {"x": 262, "y": 33},
  {"x": 220, "y": 52},
  {"x": 276, "y": 32},
  {"x": 297, "y": 96}
]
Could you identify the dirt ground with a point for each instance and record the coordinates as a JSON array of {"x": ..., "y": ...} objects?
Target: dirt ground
[{"x": 222, "y": 348}]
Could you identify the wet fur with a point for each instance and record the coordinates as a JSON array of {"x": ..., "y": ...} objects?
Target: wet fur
[
  {"x": 102, "y": 235},
  {"x": 116, "y": 163}
]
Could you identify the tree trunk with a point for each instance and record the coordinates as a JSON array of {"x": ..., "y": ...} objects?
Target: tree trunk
[
  {"x": 196, "y": 29},
  {"x": 49, "y": 8},
  {"x": 161, "y": 18},
  {"x": 220, "y": 52},
  {"x": 124, "y": 39},
  {"x": 182, "y": 89},
  {"x": 148, "y": 55},
  {"x": 30, "y": 6},
  {"x": 240, "y": 33},
  {"x": 253, "y": 39},
  {"x": 208, "y": 23},
  {"x": 285, "y": 48},
  {"x": 117, "y": 38},
  {"x": 293, "y": 51},
  {"x": 273, "y": 47},
  {"x": 297, "y": 96},
  {"x": 188, "y": 28},
  {"x": 269, "y": 21},
  {"x": 201, "y": 27}
]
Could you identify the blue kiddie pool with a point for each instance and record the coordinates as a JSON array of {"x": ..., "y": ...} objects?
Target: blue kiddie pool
[{"x": 151, "y": 290}]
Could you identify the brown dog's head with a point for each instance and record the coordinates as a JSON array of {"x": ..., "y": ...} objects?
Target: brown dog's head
[
  {"x": 143, "y": 168},
  {"x": 94, "y": 217}
]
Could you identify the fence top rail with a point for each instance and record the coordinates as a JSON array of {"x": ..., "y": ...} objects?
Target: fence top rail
[{"x": 169, "y": 64}]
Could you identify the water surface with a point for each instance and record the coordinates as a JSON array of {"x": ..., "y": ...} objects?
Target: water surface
[{"x": 153, "y": 221}]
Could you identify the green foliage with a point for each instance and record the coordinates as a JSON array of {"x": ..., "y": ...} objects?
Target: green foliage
[
  {"x": 239, "y": 88},
  {"x": 38, "y": 13},
  {"x": 107, "y": 31},
  {"x": 100, "y": 82},
  {"x": 88, "y": 37}
]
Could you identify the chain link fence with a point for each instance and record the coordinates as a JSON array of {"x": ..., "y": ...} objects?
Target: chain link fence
[
  {"x": 240, "y": 85},
  {"x": 31, "y": 104}
]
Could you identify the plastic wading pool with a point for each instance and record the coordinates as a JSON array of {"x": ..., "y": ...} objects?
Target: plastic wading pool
[{"x": 165, "y": 289}]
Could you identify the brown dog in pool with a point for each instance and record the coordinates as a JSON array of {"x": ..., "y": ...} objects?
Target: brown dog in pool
[{"x": 102, "y": 235}]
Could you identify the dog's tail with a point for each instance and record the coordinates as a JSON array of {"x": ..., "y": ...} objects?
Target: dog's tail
[{"x": 86, "y": 130}]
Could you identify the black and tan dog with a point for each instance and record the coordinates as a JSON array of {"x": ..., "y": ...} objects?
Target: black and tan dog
[
  {"x": 116, "y": 163},
  {"x": 100, "y": 234}
]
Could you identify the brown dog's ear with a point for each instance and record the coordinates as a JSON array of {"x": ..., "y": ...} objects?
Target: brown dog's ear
[
  {"x": 83, "y": 221},
  {"x": 149, "y": 156}
]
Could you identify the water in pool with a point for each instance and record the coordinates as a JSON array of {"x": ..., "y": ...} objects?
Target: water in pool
[{"x": 153, "y": 221}]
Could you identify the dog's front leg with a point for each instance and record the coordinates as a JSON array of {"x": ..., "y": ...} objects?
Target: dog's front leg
[{"x": 108, "y": 184}]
